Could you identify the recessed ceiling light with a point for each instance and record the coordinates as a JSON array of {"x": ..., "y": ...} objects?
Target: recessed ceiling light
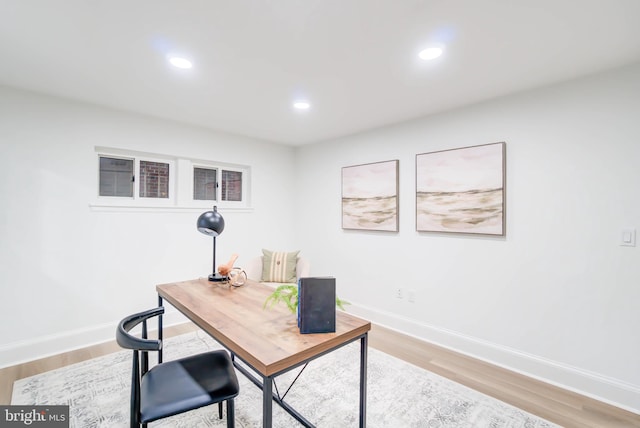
[
  {"x": 430, "y": 53},
  {"x": 302, "y": 105},
  {"x": 180, "y": 62}
]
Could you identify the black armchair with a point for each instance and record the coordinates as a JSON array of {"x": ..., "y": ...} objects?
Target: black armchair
[{"x": 177, "y": 386}]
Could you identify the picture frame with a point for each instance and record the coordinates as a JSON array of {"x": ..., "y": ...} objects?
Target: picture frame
[
  {"x": 462, "y": 190},
  {"x": 370, "y": 196}
]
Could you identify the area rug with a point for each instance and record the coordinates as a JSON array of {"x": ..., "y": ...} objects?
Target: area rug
[{"x": 399, "y": 394}]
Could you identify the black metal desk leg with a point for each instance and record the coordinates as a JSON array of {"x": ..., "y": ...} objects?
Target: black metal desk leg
[
  {"x": 363, "y": 380},
  {"x": 267, "y": 401},
  {"x": 160, "y": 330}
]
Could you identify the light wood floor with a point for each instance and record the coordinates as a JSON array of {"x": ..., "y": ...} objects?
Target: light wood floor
[
  {"x": 562, "y": 407},
  {"x": 547, "y": 401}
]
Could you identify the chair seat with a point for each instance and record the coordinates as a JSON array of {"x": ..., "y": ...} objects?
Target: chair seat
[{"x": 186, "y": 384}]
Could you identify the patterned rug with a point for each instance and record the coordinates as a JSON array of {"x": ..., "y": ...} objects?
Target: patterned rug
[{"x": 398, "y": 394}]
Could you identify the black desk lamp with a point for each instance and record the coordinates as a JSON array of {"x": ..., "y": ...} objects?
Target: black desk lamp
[{"x": 211, "y": 223}]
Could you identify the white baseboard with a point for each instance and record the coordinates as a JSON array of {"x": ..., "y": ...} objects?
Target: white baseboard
[
  {"x": 602, "y": 388},
  {"x": 45, "y": 346}
]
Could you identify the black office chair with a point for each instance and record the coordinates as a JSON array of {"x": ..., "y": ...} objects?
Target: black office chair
[{"x": 177, "y": 386}]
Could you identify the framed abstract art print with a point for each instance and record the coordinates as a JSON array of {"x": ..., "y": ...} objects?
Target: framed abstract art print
[
  {"x": 370, "y": 196},
  {"x": 462, "y": 190}
]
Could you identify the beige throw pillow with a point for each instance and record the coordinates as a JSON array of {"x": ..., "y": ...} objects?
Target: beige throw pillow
[{"x": 279, "y": 266}]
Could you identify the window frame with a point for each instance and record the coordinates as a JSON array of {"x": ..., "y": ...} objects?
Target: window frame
[
  {"x": 138, "y": 180},
  {"x": 136, "y": 199},
  {"x": 242, "y": 187},
  {"x": 219, "y": 167},
  {"x": 125, "y": 158},
  {"x": 217, "y": 183},
  {"x": 181, "y": 183}
]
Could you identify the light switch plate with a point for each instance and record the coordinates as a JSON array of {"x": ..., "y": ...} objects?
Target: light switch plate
[{"x": 628, "y": 238}]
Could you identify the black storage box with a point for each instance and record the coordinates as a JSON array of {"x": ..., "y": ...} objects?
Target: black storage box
[{"x": 317, "y": 305}]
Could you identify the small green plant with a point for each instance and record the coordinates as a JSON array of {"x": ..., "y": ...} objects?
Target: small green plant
[{"x": 288, "y": 294}]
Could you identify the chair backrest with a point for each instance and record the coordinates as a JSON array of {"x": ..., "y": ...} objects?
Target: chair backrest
[
  {"x": 138, "y": 344},
  {"x": 129, "y": 341}
]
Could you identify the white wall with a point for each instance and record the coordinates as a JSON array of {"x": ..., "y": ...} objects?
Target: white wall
[
  {"x": 558, "y": 297},
  {"x": 68, "y": 273}
]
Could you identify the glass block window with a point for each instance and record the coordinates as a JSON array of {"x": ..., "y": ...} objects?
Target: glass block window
[
  {"x": 231, "y": 186},
  {"x": 154, "y": 179},
  {"x": 204, "y": 184},
  {"x": 116, "y": 177}
]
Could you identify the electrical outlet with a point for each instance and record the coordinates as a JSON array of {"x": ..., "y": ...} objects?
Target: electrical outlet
[
  {"x": 411, "y": 296},
  {"x": 399, "y": 293}
]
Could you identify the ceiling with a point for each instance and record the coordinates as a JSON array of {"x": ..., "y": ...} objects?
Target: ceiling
[{"x": 355, "y": 61}]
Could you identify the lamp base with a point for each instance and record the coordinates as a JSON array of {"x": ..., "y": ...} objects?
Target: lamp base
[{"x": 216, "y": 277}]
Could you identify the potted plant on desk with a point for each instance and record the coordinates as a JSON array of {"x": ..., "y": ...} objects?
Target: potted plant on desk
[{"x": 288, "y": 294}]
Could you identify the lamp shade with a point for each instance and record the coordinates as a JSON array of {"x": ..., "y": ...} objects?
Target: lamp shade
[{"x": 211, "y": 223}]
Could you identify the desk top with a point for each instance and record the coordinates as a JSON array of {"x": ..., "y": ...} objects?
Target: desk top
[{"x": 268, "y": 339}]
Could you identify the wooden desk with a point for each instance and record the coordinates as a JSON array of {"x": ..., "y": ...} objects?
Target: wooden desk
[{"x": 267, "y": 340}]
